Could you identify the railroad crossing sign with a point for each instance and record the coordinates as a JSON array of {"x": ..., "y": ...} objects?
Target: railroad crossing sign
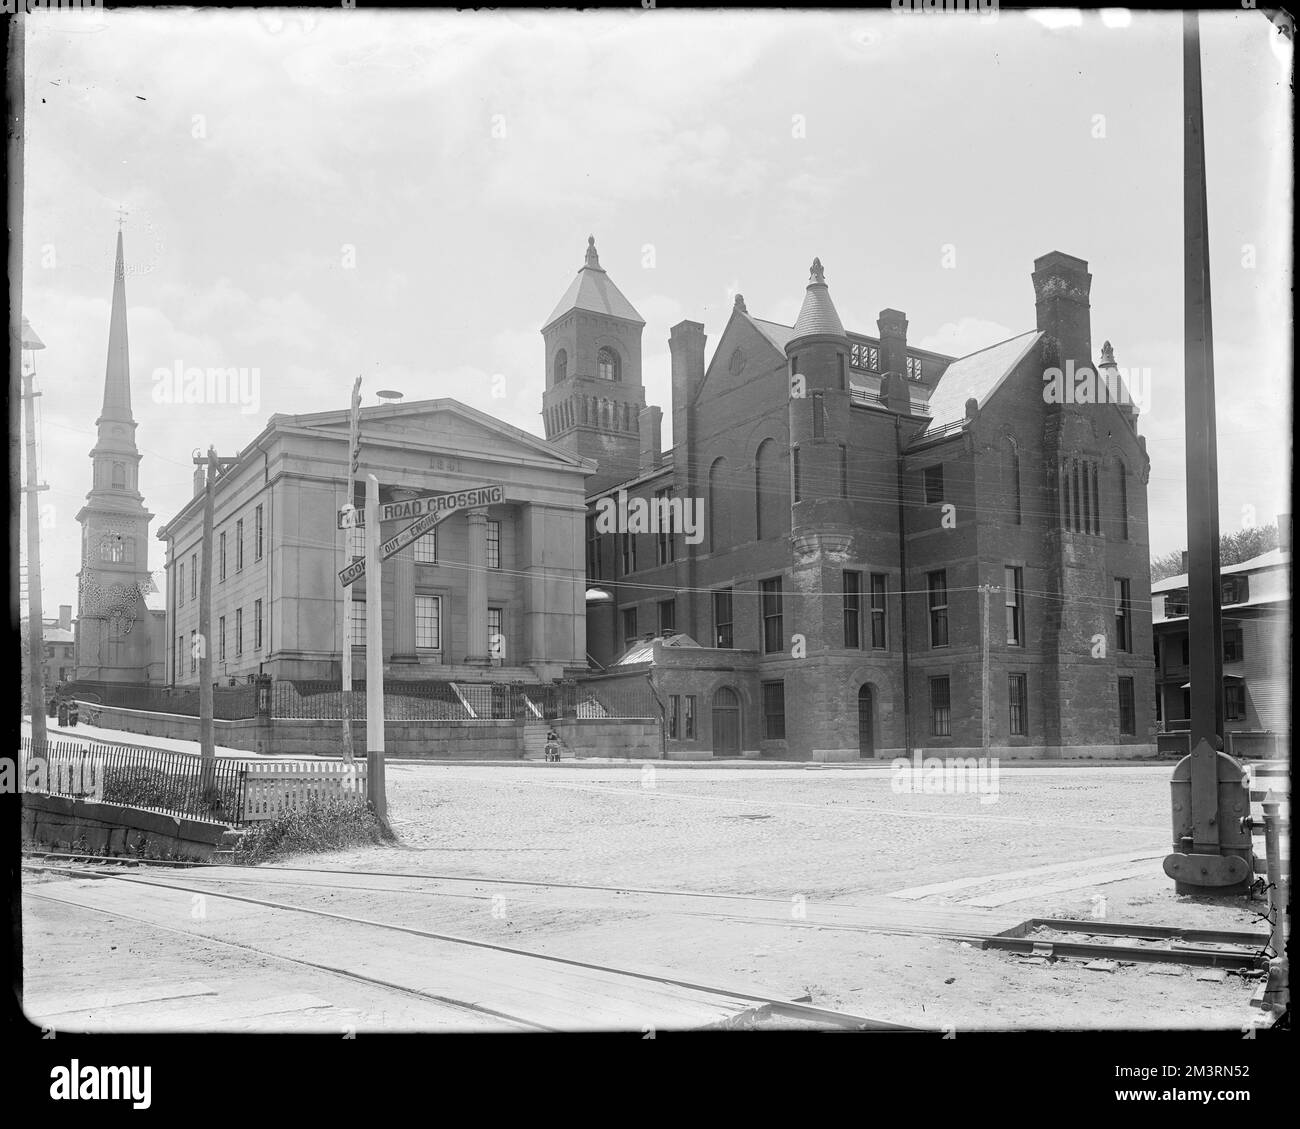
[
  {"x": 351, "y": 518},
  {"x": 432, "y": 508}
]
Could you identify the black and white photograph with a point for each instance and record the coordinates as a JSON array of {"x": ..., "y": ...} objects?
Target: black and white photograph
[{"x": 617, "y": 523}]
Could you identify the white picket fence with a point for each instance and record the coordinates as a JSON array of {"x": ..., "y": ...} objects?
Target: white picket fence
[{"x": 270, "y": 788}]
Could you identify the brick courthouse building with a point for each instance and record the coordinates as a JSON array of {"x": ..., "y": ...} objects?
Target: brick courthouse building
[{"x": 858, "y": 493}]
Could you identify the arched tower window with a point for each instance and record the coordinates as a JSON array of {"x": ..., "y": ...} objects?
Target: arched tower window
[
  {"x": 1011, "y": 471},
  {"x": 772, "y": 480},
  {"x": 1121, "y": 499},
  {"x": 561, "y": 367},
  {"x": 119, "y": 476},
  {"x": 715, "y": 515},
  {"x": 607, "y": 364}
]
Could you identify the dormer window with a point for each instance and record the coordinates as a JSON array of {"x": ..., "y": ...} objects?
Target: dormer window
[
  {"x": 561, "y": 367},
  {"x": 607, "y": 364}
]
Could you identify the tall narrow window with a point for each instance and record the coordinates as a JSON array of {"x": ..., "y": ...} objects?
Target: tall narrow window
[
  {"x": 194, "y": 652},
  {"x": 428, "y": 623},
  {"x": 258, "y": 533},
  {"x": 937, "y": 584},
  {"x": 221, "y": 638},
  {"x": 1127, "y": 713},
  {"x": 852, "y": 609},
  {"x": 665, "y": 550},
  {"x": 493, "y": 543},
  {"x": 1234, "y": 701},
  {"x": 1123, "y": 616},
  {"x": 496, "y": 633},
  {"x": 239, "y": 631},
  {"x": 561, "y": 367},
  {"x": 794, "y": 455},
  {"x": 844, "y": 471},
  {"x": 239, "y": 545},
  {"x": 722, "y": 636},
  {"x": 940, "y": 707},
  {"x": 180, "y": 585},
  {"x": 667, "y": 617},
  {"x": 844, "y": 373},
  {"x": 879, "y": 640},
  {"x": 257, "y": 625},
  {"x": 629, "y": 625},
  {"x": 933, "y": 484},
  {"x": 1122, "y": 501},
  {"x": 1087, "y": 499},
  {"x": 628, "y": 545},
  {"x": 119, "y": 476},
  {"x": 179, "y": 665},
  {"x": 688, "y": 717},
  {"x": 1096, "y": 496},
  {"x": 358, "y": 621},
  {"x": 819, "y": 415},
  {"x": 593, "y": 549},
  {"x": 194, "y": 576},
  {"x": 1066, "y": 501},
  {"x": 1018, "y": 696},
  {"x": 1014, "y": 593},
  {"x": 773, "y": 629},
  {"x": 357, "y": 544},
  {"x": 426, "y": 548},
  {"x": 774, "y": 711},
  {"x": 674, "y": 716},
  {"x": 221, "y": 556}
]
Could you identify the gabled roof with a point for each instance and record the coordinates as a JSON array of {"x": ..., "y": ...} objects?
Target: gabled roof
[
  {"x": 779, "y": 335},
  {"x": 977, "y": 376},
  {"x": 1274, "y": 558},
  {"x": 594, "y": 290},
  {"x": 643, "y": 651}
]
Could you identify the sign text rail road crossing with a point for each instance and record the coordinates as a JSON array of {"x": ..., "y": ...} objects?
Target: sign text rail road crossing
[
  {"x": 427, "y": 504},
  {"x": 435, "y": 507}
]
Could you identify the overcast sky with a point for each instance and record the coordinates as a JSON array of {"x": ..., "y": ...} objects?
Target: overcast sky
[{"x": 928, "y": 159}]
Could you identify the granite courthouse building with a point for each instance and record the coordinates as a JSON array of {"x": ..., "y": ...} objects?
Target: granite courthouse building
[{"x": 858, "y": 493}]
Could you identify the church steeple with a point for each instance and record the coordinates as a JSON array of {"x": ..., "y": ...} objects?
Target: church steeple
[
  {"x": 117, "y": 374},
  {"x": 114, "y": 574}
]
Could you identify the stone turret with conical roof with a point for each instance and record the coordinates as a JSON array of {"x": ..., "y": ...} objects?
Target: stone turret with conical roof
[
  {"x": 113, "y": 637},
  {"x": 818, "y": 354},
  {"x": 594, "y": 394}
]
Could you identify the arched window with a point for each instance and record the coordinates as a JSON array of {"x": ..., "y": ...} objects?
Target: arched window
[
  {"x": 119, "y": 476},
  {"x": 844, "y": 471},
  {"x": 607, "y": 364},
  {"x": 771, "y": 490},
  {"x": 795, "y": 456},
  {"x": 717, "y": 513},
  {"x": 561, "y": 366},
  {"x": 1011, "y": 471}
]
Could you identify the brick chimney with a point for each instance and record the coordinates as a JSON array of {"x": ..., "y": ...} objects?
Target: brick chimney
[
  {"x": 686, "y": 344},
  {"x": 1061, "y": 288},
  {"x": 650, "y": 422},
  {"x": 65, "y": 617},
  {"x": 892, "y": 325}
]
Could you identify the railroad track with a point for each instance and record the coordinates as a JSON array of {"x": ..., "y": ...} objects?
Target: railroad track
[{"x": 759, "y": 1006}]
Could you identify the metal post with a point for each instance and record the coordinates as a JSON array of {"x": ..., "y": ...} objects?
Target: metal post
[
  {"x": 354, "y": 444},
  {"x": 207, "y": 743},
  {"x": 1277, "y": 893},
  {"x": 36, "y": 614},
  {"x": 985, "y": 589},
  {"x": 374, "y": 656}
]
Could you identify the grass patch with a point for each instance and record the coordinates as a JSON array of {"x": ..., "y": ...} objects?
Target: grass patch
[
  {"x": 333, "y": 824},
  {"x": 144, "y": 787}
]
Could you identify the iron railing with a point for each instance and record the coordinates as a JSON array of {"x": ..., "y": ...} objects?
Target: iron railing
[{"x": 155, "y": 779}]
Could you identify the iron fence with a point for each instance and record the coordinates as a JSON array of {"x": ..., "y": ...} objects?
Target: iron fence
[{"x": 162, "y": 781}]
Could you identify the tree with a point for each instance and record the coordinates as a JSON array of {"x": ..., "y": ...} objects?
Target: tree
[{"x": 1234, "y": 548}]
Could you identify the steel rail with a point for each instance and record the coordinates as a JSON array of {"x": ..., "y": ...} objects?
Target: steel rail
[{"x": 845, "y": 1019}]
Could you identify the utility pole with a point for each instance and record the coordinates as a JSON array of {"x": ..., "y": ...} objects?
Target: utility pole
[
  {"x": 36, "y": 621},
  {"x": 984, "y": 590},
  {"x": 374, "y": 657},
  {"x": 207, "y": 742},
  {"x": 354, "y": 459}
]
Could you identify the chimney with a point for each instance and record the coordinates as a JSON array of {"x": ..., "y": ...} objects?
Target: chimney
[
  {"x": 896, "y": 394},
  {"x": 892, "y": 325},
  {"x": 1284, "y": 532},
  {"x": 650, "y": 422},
  {"x": 686, "y": 343},
  {"x": 1061, "y": 288},
  {"x": 65, "y": 617},
  {"x": 200, "y": 480}
]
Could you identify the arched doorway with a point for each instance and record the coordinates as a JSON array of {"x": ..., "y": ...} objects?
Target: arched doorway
[
  {"x": 866, "y": 722},
  {"x": 726, "y": 723}
]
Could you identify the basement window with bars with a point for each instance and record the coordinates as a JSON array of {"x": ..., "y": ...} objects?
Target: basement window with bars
[
  {"x": 773, "y": 711},
  {"x": 937, "y": 583},
  {"x": 722, "y": 620},
  {"x": 1018, "y": 696},
  {"x": 940, "y": 707},
  {"x": 1127, "y": 712}
]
